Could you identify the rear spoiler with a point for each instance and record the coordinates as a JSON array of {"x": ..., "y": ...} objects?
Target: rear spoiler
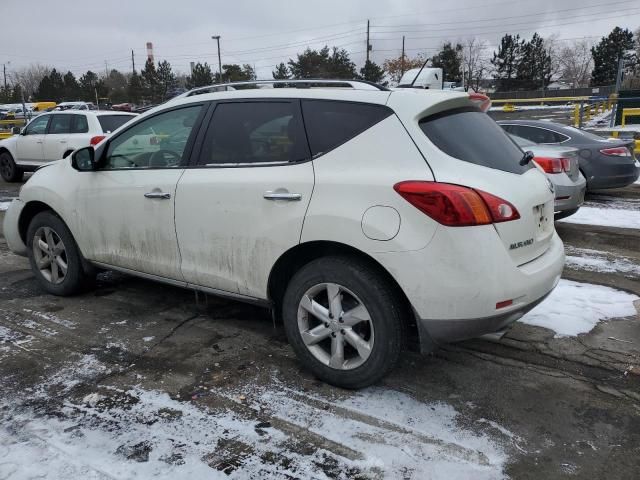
[{"x": 482, "y": 101}]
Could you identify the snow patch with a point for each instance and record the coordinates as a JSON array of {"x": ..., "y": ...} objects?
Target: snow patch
[
  {"x": 4, "y": 206},
  {"x": 596, "y": 261},
  {"x": 574, "y": 308},
  {"x": 605, "y": 217},
  {"x": 51, "y": 318}
]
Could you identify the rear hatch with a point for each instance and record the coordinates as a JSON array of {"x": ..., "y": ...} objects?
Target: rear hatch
[{"x": 490, "y": 161}]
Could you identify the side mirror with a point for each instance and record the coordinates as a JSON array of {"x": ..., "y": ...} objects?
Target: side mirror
[
  {"x": 83, "y": 160},
  {"x": 16, "y": 130}
]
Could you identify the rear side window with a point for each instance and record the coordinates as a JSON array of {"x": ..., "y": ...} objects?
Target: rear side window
[
  {"x": 60, "y": 124},
  {"x": 110, "y": 123},
  {"x": 331, "y": 123},
  {"x": 255, "y": 132},
  {"x": 472, "y": 136},
  {"x": 80, "y": 124},
  {"x": 537, "y": 135}
]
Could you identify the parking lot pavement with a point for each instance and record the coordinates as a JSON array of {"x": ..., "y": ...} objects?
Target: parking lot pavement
[{"x": 140, "y": 379}]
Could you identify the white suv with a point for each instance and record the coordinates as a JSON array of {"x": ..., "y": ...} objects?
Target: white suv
[
  {"x": 52, "y": 136},
  {"x": 362, "y": 217}
]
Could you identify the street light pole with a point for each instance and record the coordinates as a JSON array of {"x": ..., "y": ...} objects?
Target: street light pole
[{"x": 217, "y": 38}]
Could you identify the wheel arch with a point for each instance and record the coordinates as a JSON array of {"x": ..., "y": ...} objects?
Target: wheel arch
[
  {"x": 4, "y": 149},
  {"x": 30, "y": 210},
  {"x": 296, "y": 257}
]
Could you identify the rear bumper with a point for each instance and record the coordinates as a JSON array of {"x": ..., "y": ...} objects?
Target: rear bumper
[
  {"x": 10, "y": 228},
  {"x": 455, "y": 283},
  {"x": 569, "y": 193},
  {"x": 622, "y": 176}
]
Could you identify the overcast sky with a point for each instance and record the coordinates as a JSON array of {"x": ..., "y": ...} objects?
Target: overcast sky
[{"x": 84, "y": 34}]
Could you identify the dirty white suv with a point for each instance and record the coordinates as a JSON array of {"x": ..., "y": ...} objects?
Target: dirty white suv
[{"x": 361, "y": 216}]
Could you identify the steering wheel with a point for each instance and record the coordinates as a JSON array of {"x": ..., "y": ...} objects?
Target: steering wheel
[{"x": 157, "y": 159}]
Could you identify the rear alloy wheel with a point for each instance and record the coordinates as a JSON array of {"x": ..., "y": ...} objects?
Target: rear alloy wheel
[
  {"x": 54, "y": 256},
  {"x": 344, "y": 322},
  {"x": 8, "y": 169}
]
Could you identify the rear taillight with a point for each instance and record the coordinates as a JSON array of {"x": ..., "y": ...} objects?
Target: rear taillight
[
  {"x": 616, "y": 152},
  {"x": 97, "y": 139},
  {"x": 455, "y": 205},
  {"x": 553, "y": 164}
]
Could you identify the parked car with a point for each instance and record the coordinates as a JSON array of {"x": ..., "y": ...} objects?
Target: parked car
[
  {"x": 52, "y": 136},
  {"x": 604, "y": 163},
  {"x": 560, "y": 165},
  {"x": 371, "y": 222}
]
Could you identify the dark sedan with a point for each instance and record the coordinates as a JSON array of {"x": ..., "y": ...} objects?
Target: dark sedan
[{"x": 604, "y": 163}]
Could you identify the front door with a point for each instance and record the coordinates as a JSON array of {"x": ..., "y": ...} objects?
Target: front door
[
  {"x": 242, "y": 204},
  {"x": 55, "y": 141},
  {"x": 125, "y": 210},
  {"x": 30, "y": 143}
]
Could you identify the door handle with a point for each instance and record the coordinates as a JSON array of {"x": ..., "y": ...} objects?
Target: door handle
[
  {"x": 290, "y": 197},
  {"x": 160, "y": 195},
  {"x": 38, "y": 141},
  {"x": 63, "y": 141}
]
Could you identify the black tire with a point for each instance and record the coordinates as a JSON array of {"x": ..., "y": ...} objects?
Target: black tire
[
  {"x": 9, "y": 171},
  {"x": 375, "y": 294},
  {"x": 75, "y": 279}
]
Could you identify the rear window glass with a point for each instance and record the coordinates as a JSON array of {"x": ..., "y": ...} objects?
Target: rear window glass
[
  {"x": 109, "y": 123},
  {"x": 472, "y": 136},
  {"x": 331, "y": 123}
]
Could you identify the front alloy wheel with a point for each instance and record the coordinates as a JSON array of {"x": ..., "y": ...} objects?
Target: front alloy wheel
[
  {"x": 335, "y": 326},
  {"x": 50, "y": 255}
]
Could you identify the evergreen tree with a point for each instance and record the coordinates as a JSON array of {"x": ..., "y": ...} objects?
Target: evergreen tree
[
  {"x": 281, "y": 72},
  {"x": 236, "y": 73},
  {"x": 323, "y": 63},
  {"x": 534, "y": 68},
  {"x": 449, "y": 59},
  {"x": 16, "y": 94},
  {"x": 116, "y": 86},
  {"x": 607, "y": 54},
  {"x": 150, "y": 82},
  {"x": 51, "y": 87},
  {"x": 166, "y": 80},
  {"x": 506, "y": 61},
  {"x": 372, "y": 72},
  {"x": 88, "y": 86},
  {"x": 201, "y": 76},
  {"x": 134, "y": 88},
  {"x": 71, "y": 87}
]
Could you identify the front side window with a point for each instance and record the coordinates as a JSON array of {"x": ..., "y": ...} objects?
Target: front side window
[
  {"x": 331, "y": 123},
  {"x": 60, "y": 124},
  {"x": 156, "y": 142},
  {"x": 38, "y": 126},
  {"x": 254, "y": 132}
]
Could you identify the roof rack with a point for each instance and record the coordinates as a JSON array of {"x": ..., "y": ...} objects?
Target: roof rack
[{"x": 301, "y": 83}]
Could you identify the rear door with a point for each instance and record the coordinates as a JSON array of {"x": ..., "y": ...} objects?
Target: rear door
[
  {"x": 490, "y": 162},
  {"x": 55, "y": 142},
  {"x": 242, "y": 204}
]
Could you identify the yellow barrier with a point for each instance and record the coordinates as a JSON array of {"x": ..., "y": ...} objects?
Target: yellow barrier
[
  {"x": 541, "y": 100},
  {"x": 16, "y": 122},
  {"x": 4, "y": 135}
]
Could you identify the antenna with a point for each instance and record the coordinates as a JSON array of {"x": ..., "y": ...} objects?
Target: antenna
[{"x": 419, "y": 72}]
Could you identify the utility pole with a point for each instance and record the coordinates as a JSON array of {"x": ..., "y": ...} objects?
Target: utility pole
[
  {"x": 614, "y": 110},
  {"x": 106, "y": 69},
  {"x": 368, "y": 44},
  {"x": 133, "y": 62},
  {"x": 402, "y": 59},
  {"x": 217, "y": 37},
  {"x": 4, "y": 72}
]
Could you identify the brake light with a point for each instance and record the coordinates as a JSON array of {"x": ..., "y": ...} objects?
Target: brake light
[
  {"x": 455, "y": 205},
  {"x": 553, "y": 165},
  {"x": 97, "y": 139},
  {"x": 616, "y": 152},
  {"x": 482, "y": 101}
]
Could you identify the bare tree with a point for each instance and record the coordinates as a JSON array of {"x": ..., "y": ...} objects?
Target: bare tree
[
  {"x": 575, "y": 63},
  {"x": 29, "y": 77},
  {"x": 553, "y": 47},
  {"x": 475, "y": 61}
]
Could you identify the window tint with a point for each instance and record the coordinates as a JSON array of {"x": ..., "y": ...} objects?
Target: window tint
[
  {"x": 109, "y": 123},
  {"x": 158, "y": 141},
  {"x": 522, "y": 142},
  {"x": 331, "y": 123},
  {"x": 38, "y": 126},
  {"x": 537, "y": 135},
  {"x": 60, "y": 124},
  {"x": 472, "y": 136},
  {"x": 254, "y": 132},
  {"x": 80, "y": 124}
]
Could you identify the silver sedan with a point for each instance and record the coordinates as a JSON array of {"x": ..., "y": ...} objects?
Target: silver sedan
[{"x": 560, "y": 165}]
